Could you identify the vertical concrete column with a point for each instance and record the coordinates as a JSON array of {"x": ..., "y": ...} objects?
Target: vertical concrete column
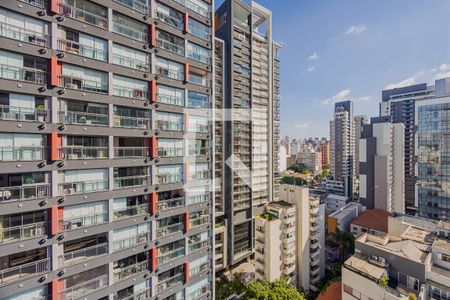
[
  {"x": 111, "y": 178},
  {"x": 54, "y": 109},
  {"x": 110, "y": 18},
  {"x": 56, "y": 250},
  {"x": 110, "y": 210},
  {"x": 110, "y": 83},
  {"x": 111, "y": 114},
  {"x": 110, "y": 51},
  {"x": 111, "y": 146},
  {"x": 54, "y": 36},
  {"x": 54, "y": 180},
  {"x": 110, "y": 242}
]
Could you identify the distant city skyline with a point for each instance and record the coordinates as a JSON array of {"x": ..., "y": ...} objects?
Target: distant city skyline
[{"x": 345, "y": 51}]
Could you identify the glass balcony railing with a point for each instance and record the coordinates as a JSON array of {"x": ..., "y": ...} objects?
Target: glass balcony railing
[
  {"x": 169, "y": 282},
  {"x": 12, "y": 113},
  {"x": 168, "y": 178},
  {"x": 199, "y": 221},
  {"x": 140, "y": 6},
  {"x": 131, "y": 122},
  {"x": 140, "y": 295},
  {"x": 81, "y": 152},
  {"x": 130, "y": 63},
  {"x": 17, "y": 273},
  {"x": 198, "y": 151},
  {"x": 130, "y": 32},
  {"x": 131, "y": 211},
  {"x": 198, "y": 127},
  {"x": 198, "y": 245},
  {"x": 169, "y": 46},
  {"x": 78, "y": 83},
  {"x": 170, "y": 255},
  {"x": 83, "y": 221},
  {"x": 199, "y": 80},
  {"x": 169, "y": 125},
  {"x": 169, "y": 230},
  {"x": 199, "y": 293},
  {"x": 130, "y": 181},
  {"x": 83, "y": 118},
  {"x": 170, "y": 152},
  {"x": 166, "y": 204},
  {"x": 127, "y": 92},
  {"x": 203, "y": 34},
  {"x": 131, "y": 152},
  {"x": 199, "y": 175},
  {"x": 194, "y": 199},
  {"x": 78, "y": 187},
  {"x": 198, "y": 9},
  {"x": 23, "y": 153},
  {"x": 24, "y": 35},
  {"x": 37, "y": 3},
  {"x": 165, "y": 72},
  {"x": 83, "y": 254},
  {"x": 170, "y": 99},
  {"x": 131, "y": 241},
  {"x": 198, "y": 56},
  {"x": 23, "y": 74},
  {"x": 82, "y": 15},
  {"x": 172, "y": 21},
  {"x": 22, "y": 232},
  {"x": 198, "y": 103},
  {"x": 84, "y": 288},
  {"x": 29, "y": 191},
  {"x": 83, "y": 50},
  {"x": 125, "y": 272}
]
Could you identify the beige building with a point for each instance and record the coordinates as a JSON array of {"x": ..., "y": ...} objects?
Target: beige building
[
  {"x": 310, "y": 235},
  {"x": 275, "y": 242}
]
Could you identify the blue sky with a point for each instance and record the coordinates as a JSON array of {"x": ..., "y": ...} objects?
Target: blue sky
[{"x": 352, "y": 49}]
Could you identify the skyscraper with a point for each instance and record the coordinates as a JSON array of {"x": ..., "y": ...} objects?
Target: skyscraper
[
  {"x": 360, "y": 121},
  {"x": 105, "y": 130},
  {"x": 342, "y": 140},
  {"x": 251, "y": 127}
]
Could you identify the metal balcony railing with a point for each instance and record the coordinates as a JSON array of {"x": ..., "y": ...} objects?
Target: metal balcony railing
[
  {"x": 132, "y": 93},
  {"x": 130, "y": 32},
  {"x": 170, "y": 255},
  {"x": 30, "y": 191},
  {"x": 22, "y": 232},
  {"x": 83, "y": 15},
  {"x": 84, "y": 288},
  {"x": 23, "y": 74},
  {"x": 24, "y": 35},
  {"x": 168, "y": 178},
  {"x": 83, "y": 221},
  {"x": 78, "y": 187},
  {"x": 170, "y": 152},
  {"x": 81, "y": 152},
  {"x": 24, "y": 114},
  {"x": 26, "y": 270},
  {"x": 131, "y": 122},
  {"x": 37, "y": 3},
  {"x": 169, "y": 282},
  {"x": 131, "y": 241},
  {"x": 130, "y": 211},
  {"x": 165, "y": 72},
  {"x": 83, "y": 254},
  {"x": 140, "y": 295},
  {"x": 169, "y": 46},
  {"x": 83, "y": 50},
  {"x": 169, "y": 230},
  {"x": 199, "y": 221},
  {"x": 198, "y": 9},
  {"x": 165, "y": 204},
  {"x": 23, "y": 153},
  {"x": 140, "y": 6},
  {"x": 172, "y": 21},
  {"x": 78, "y": 83},
  {"x": 169, "y": 125},
  {"x": 125, "y": 272},
  {"x": 170, "y": 99},
  {"x": 131, "y": 152},
  {"x": 130, "y": 63},
  {"x": 130, "y": 181},
  {"x": 198, "y": 245},
  {"x": 82, "y": 118}
]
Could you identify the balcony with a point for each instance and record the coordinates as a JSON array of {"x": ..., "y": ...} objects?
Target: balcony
[
  {"x": 170, "y": 20},
  {"x": 37, "y": 3},
  {"x": 169, "y": 178},
  {"x": 198, "y": 9},
  {"x": 23, "y": 74},
  {"x": 22, "y": 232},
  {"x": 200, "y": 175},
  {"x": 23, "y": 153},
  {"x": 168, "y": 256},
  {"x": 170, "y": 99},
  {"x": 131, "y": 181},
  {"x": 199, "y": 293},
  {"x": 165, "y": 204},
  {"x": 131, "y": 122},
  {"x": 24, "y": 35},
  {"x": 194, "y": 222},
  {"x": 130, "y": 32},
  {"x": 130, "y": 63},
  {"x": 168, "y": 73},
  {"x": 199, "y": 151},
  {"x": 131, "y": 211},
  {"x": 197, "y": 245},
  {"x": 195, "y": 199},
  {"x": 125, "y": 272},
  {"x": 11, "y": 113},
  {"x": 131, "y": 152},
  {"x": 131, "y": 241},
  {"x": 82, "y": 15},
  {"x": 171, "y": 47},
  {"x": 81, "y": 187},
  {"x": 84, "y": 288},
  {"x": 170, "y": 152},
  {"x": 81, "y": 152},
  {"x": 169, "y": 125},
  {"x": 83, "y": 118},
  {"x": 83, "y": 221},
  {"x": 78, "y": 83},
  {"x": 84, "y": 254},
  {"x": 23, "y": 271},
  {"x": 132, "y": 93},
  {"x": 199, "y": 127},
  {"x": 136, "y": 5},
  {"x": 169, "y": 282},
  {"x": 169, "y": 230},
  {"x": 28, "y": 191},
  {"x": 82, "y": 50},
  {"x": 140, "y": 295}
]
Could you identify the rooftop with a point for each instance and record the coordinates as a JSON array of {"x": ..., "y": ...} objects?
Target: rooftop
[
  {"x": 345, "y": 210},
  {"x": 361, "y": 264},
  {"x": 333, "y": 292},
  {"x": 442, "y": 243},
  {"x": 376, "y": 219},
  {"x": 280, "y": 205}
]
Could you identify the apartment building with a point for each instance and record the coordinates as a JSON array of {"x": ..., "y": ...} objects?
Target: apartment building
[
  {"x": 324, "y": 148},
  {"x": 412, "y": 261},
  {"x": 251, "y": 129},
  {"x": 343, "y": 217},
  {"x": 400, "y": 104},
  {"x": 275, "y": 236},
  {"x": 105, "y": 130},
  {"x": 381, "y": 160},
  {"x": 342, "y": 139},
  {"x": 360, "y": 121},
  {"x": 432, "y": 145},
  {"x": 310, "y": 235}
]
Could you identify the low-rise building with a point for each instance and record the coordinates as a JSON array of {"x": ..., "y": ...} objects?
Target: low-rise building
[
  {"x": 373, "y": 221},
  {"x": 343, "y": 217}
]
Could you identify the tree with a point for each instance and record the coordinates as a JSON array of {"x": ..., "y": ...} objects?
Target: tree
[
  {"x": 226, "y": 288},
  {"x": 293, "y": 180},
  {"x": 300, "y": 168},
  {"x": 383, "y": 281},
  {"x": 278, "y": 290},
  {"x": 345, "y": 241}
]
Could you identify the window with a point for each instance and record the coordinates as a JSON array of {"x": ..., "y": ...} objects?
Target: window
[
  {"x": 130, "y": 58},
  {"x": 130, "y": 88},
  {"x": 198, "y": 29},
  {"x": 198, "y": 53},
  {"x": 170, "y": 69},
  {"x": 170, "y": 42},
  {"x": 128, "y": 27},
  {"x": 198, "y": 100},
  {"x": 75, "y": 77},
  {"x": 83, "y": 44},
  {"x": 445, "y": 257},
  {"x": 170, "y": 95}
]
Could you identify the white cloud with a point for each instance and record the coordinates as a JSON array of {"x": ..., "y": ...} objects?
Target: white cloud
[
  {"x": 342, "y": 95},
  {"x": 313, "y": 56},
  {"x": 443, "y": 71},
  {"x": 363, "y": 98},
  {"x": 301, "y": 126},
  {"x": 408, "y": 81},
  {"x": 356, "y": 29},
  {"x": 311, "y": 69}
]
